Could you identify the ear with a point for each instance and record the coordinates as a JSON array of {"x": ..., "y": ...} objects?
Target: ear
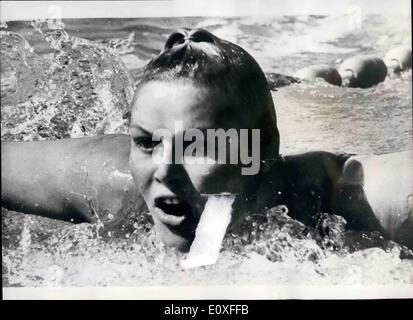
[{"x": 353, "y": 173}]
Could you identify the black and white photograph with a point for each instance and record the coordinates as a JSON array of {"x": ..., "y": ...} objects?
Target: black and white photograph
[{"x": 206, "y": 149}]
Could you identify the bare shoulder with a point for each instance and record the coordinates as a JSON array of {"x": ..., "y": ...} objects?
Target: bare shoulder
[{"x": 317, "y": 165}]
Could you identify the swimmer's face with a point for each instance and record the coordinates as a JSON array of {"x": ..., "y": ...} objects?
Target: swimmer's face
[{"x": 175, "y": 192}]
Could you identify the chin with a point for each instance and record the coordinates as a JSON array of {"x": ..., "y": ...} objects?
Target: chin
[{"x": 171, "y": 239}]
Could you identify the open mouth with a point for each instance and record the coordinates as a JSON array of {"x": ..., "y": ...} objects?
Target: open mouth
[{"x": 172, "y": 211}]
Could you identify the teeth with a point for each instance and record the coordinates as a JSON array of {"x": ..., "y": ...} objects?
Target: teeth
[{"x": 171, "y": 201}]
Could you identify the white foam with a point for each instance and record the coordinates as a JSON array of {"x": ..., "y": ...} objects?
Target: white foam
[{"x": 210, "y": 231}]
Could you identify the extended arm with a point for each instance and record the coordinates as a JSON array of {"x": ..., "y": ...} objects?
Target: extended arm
[{"x": 71, "y": 179}]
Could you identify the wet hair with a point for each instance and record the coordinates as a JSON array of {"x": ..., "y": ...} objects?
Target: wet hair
[{"x": 200, "y": 56}]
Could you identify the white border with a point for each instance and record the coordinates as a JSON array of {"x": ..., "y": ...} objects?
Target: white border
[
  {"x": 28, "y": 10},
  {"x": 238, "y": 292}
]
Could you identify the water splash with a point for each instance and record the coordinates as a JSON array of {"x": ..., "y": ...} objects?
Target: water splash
[
  {"x": 272, "y": 248},
  {"x": 81, "y": 89}
]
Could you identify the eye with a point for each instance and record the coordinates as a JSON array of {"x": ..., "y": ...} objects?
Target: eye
[{"x": 146, "y": 144}]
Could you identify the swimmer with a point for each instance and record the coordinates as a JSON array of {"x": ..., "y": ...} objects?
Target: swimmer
[
  {"x": 326, "y": 72},
  {"x": 362, "y": 71},
  {"x": 201, "y": 82}
]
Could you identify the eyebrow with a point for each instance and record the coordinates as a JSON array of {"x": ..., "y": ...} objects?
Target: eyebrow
[
  {"x": 137, "y": 127},
  {"x": 146, "y": 131}
]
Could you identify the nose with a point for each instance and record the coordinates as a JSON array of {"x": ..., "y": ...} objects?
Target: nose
[
  {"x": 168, "y": 174},
  {"x": 169, "y": 169}
]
